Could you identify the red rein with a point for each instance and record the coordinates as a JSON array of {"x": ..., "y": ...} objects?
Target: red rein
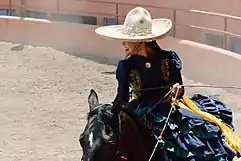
[{"x": 123, "y": 157}]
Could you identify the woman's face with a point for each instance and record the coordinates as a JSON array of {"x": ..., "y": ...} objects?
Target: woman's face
[{"x": 131, "y": 47}]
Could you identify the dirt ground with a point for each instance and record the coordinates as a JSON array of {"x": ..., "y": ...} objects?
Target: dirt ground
[{"x": 43, "y": 98}]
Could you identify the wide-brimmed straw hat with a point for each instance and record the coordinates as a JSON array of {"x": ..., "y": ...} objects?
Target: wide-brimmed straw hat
[{"x": 138, "y": 26}]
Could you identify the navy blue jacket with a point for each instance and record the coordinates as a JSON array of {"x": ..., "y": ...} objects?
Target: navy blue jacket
[{"x": 162, "y": 69}]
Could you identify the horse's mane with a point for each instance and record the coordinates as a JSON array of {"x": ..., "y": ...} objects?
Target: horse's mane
[
  {"x": 100, "y": 111},
  {"x": 143, "y": 130},
  {"x": 104, "y": 113}
]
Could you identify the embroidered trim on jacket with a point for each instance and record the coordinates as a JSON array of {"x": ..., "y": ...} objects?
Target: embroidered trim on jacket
[
  {"x": 165, "y": 70},
  {"x": 135, "y": 83}
]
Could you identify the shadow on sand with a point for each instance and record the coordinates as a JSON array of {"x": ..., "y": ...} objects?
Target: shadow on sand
[
  {"x": 98, "y": 59},
  {"x": 88, "y": 56},
  {"x": 95, "y": 58}
]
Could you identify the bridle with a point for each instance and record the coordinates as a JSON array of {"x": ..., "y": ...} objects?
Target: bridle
[
  {"x": 190, "y": 86},
  {"x": 118, "y": 154},
  {"x": 172, "y": 109}
]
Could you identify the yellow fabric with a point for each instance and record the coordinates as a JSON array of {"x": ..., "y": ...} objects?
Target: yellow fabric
[{"x": 230, "y": 137}]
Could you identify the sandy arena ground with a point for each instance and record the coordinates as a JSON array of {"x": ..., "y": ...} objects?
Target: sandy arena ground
[{"x": 43, "y": 95}]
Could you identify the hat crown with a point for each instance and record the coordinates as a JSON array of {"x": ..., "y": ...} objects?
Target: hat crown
[
  {"x": 138, "y": 22},
  {"x": 137, "y": 27}
]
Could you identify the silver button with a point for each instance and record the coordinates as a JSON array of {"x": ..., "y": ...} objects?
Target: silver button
[{"x": 148, "y": 65}]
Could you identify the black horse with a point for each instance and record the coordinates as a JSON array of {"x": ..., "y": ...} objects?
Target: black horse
[{"x": 108, "y": 126}]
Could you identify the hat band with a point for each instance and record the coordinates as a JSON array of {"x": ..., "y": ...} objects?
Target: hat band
[{"x": 133, "y": 30}]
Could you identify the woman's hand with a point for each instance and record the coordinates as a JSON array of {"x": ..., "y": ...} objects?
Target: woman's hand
[{"x": 177, "y": 90}]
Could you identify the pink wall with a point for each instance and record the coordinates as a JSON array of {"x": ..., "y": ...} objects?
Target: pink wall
[
  {"x": 202, "y": 63},
  {"x": 190, "y": 17},
  {"x": 207, "y": 64}
]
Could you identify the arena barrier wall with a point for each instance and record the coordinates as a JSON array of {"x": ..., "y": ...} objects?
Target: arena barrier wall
[{"x": 201, "y": 63}]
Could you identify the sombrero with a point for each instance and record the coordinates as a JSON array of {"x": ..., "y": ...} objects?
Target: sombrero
[{"x": 138, "y": 26}]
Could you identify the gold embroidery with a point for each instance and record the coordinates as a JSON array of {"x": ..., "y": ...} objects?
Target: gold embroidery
[
  {"x": 135, "y": 82},
  {"x": 165, "y": 70}
]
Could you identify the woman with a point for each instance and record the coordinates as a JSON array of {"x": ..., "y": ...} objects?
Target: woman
[
  {"x": 187, "y": 136},
  {"x": 148, "y": 66}
]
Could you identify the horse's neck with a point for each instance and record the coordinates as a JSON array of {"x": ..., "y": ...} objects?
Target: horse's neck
[
  {"x": 134, "y": 125},
  {"x": 126, "y": 134},
  {"x": 134, "y": 138},
  {"x": 131, "y": 117}
]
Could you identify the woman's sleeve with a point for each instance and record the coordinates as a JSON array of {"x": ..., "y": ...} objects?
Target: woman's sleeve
[
  {"x": 176, "y": 70},
  {"x": 122, "y": 76}
]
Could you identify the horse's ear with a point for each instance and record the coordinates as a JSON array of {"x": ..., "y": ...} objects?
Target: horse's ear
[{"x": 93, "y": 99}]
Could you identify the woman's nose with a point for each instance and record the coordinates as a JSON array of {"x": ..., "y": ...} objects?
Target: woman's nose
[{"x": 124, "y": 44}]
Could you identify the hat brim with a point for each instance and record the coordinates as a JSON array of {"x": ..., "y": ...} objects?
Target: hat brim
[{"x": 160, "y": 27}]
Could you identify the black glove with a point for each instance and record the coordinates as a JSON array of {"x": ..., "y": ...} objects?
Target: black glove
[
  {"x": 118, "y": 101},
  {"x": 118, "y": 104}
]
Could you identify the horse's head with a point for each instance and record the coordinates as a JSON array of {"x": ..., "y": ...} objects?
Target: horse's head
[{"x": 97, "y": 137}]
